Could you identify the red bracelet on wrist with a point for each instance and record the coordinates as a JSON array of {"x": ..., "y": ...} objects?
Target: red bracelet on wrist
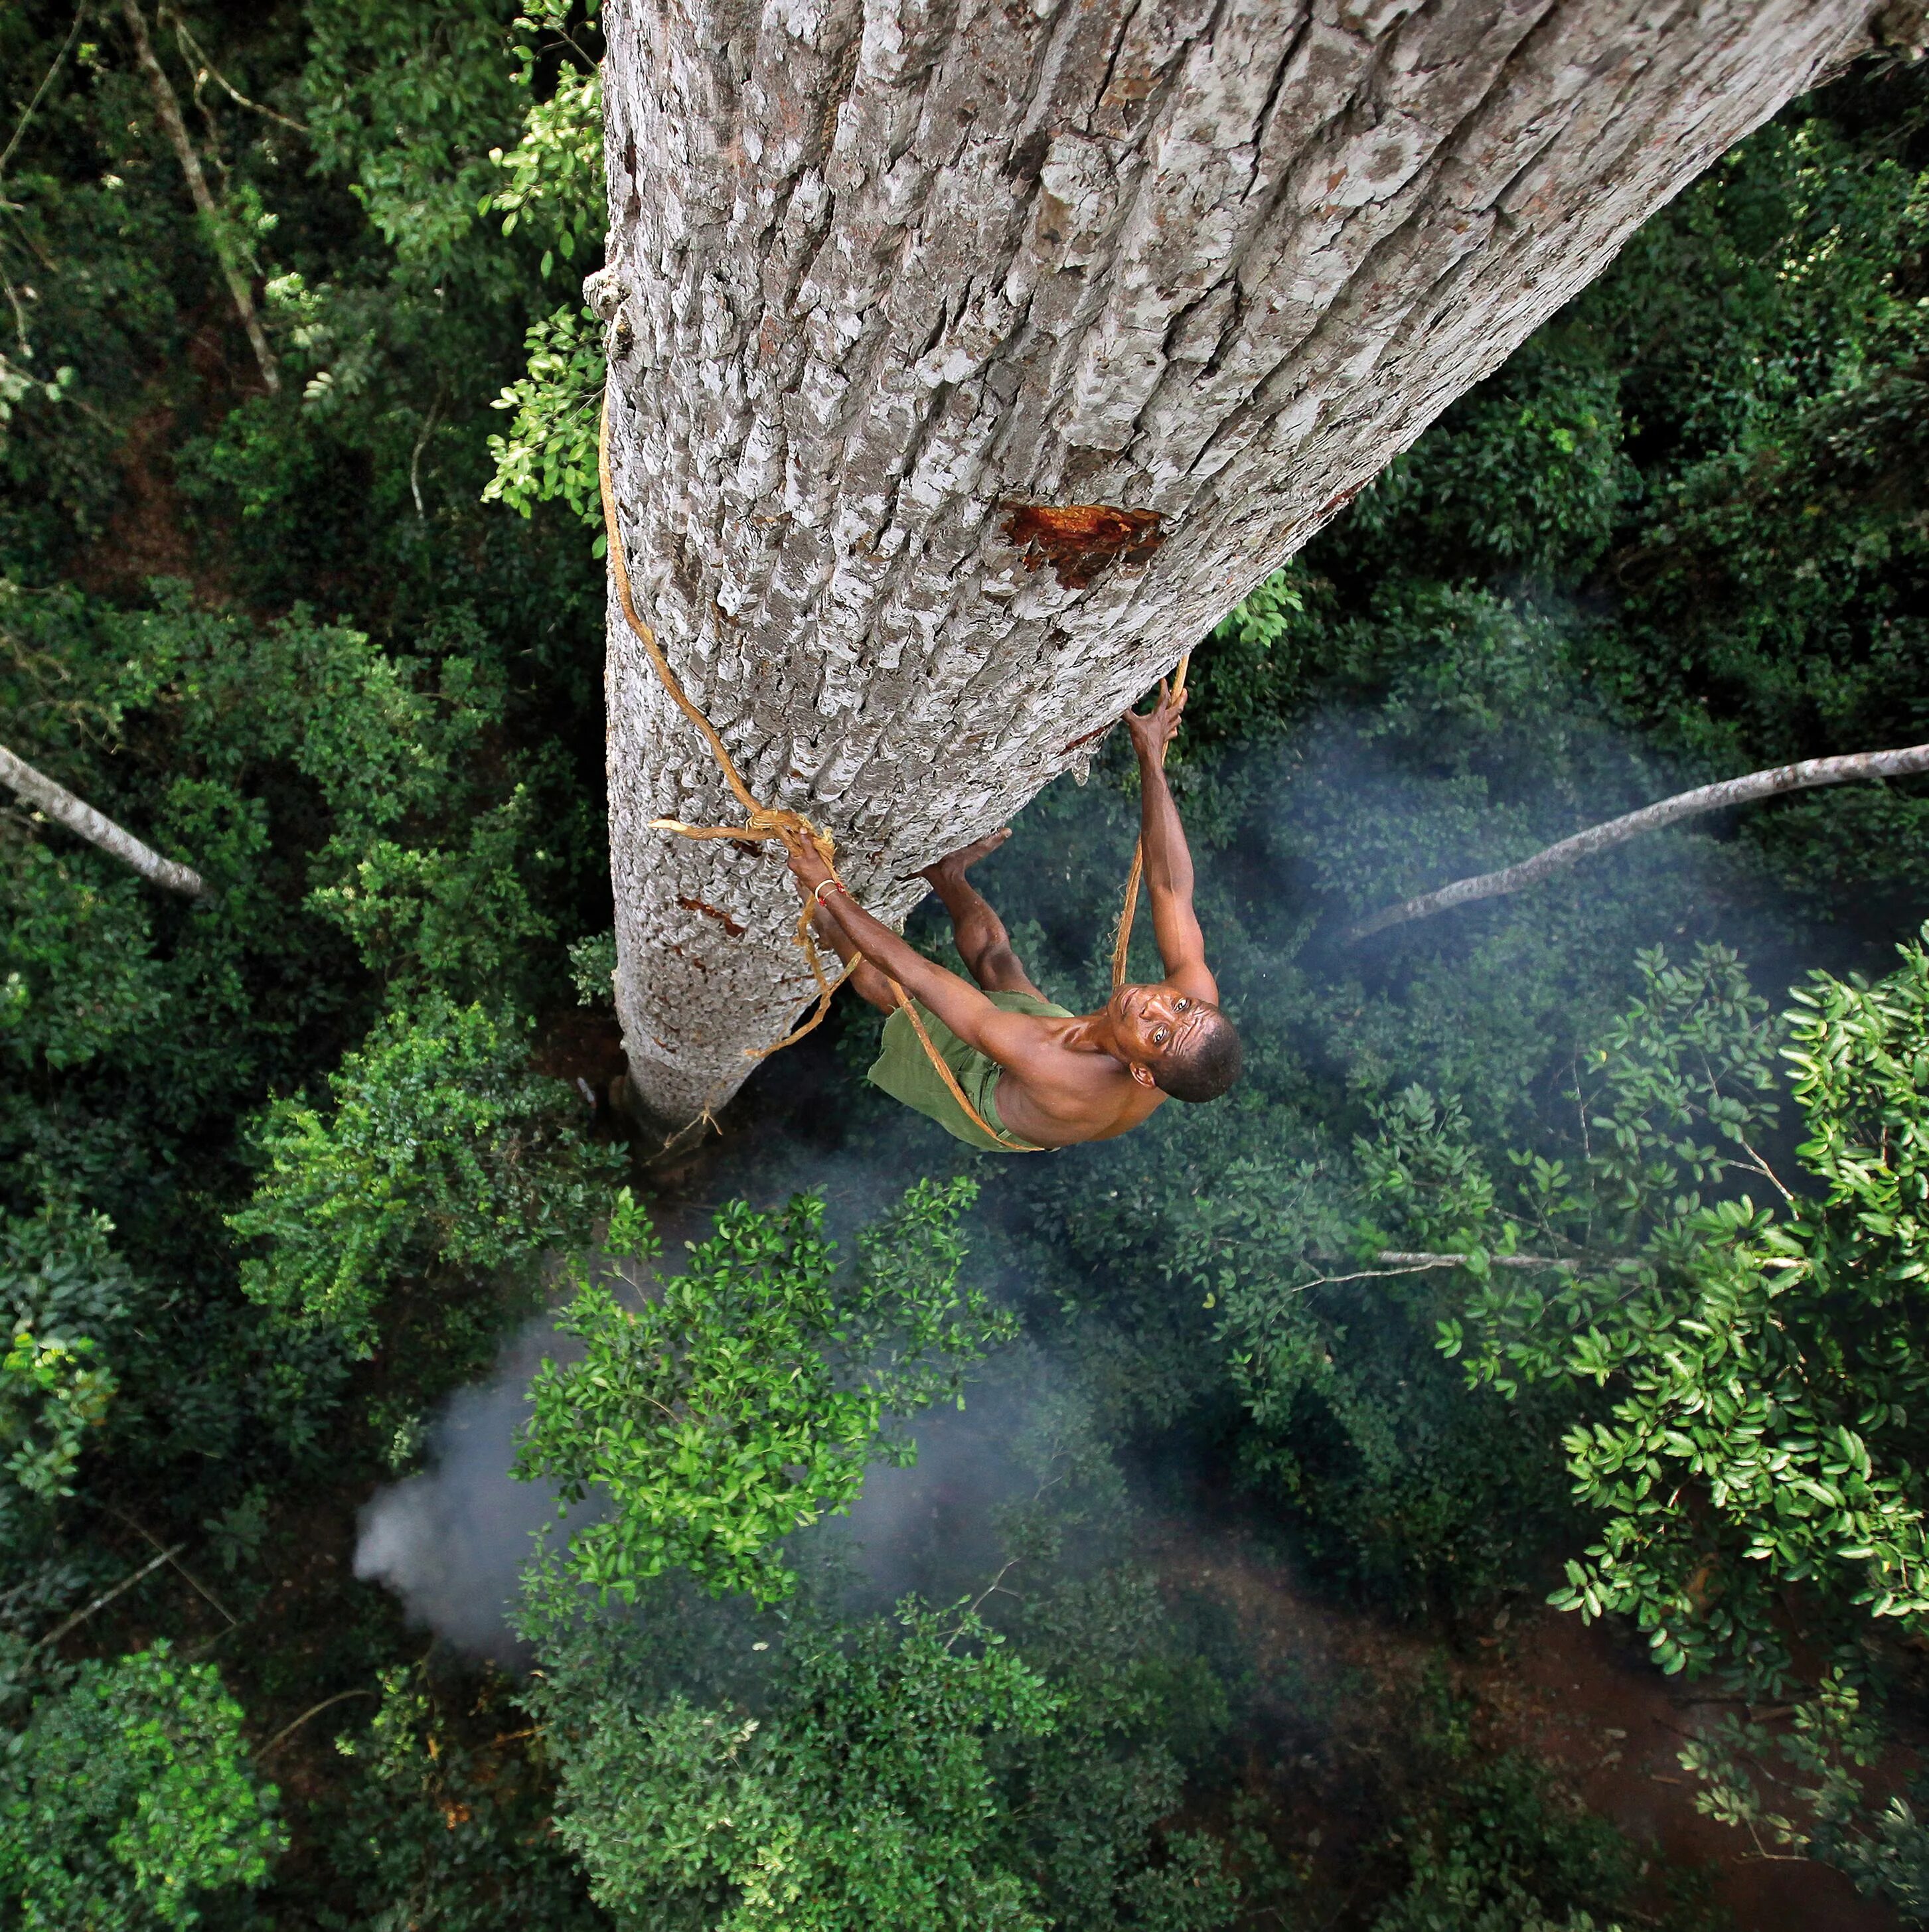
[{"x": 830, "y": 885}]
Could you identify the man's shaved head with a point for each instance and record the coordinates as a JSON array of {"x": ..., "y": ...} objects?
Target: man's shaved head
[{"x": 1204, "y": 1062}]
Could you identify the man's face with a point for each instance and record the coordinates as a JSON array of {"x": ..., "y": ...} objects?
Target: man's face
[{"x": 1152, "y": 1022}]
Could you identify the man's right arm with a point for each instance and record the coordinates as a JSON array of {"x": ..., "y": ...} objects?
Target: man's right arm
[{"x": 1168, "y": 860}]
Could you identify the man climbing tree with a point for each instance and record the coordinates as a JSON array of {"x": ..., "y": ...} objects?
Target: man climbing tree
[
  {"x": 1025, "y": 1074},
  {"x": 965, "y": 363}
]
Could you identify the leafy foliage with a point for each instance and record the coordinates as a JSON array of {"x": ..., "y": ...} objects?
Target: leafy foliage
[
  {"x": 441, "y": 1150},
  {"x": 1761, "y": 1363},
  {"x": 66, "y": 1295},
  {"x": 129, "y": 1797},
  {"x": 864, "y": 1799},
  {"x": 550, "y": 449},
  {"x": 1503, "y": 1853},
  {"x": 742, "y": 1400},
  {"x": 452, "y": 1819}
]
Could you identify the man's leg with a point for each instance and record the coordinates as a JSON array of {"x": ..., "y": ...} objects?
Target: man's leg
[{"x": 981, "y": 935}]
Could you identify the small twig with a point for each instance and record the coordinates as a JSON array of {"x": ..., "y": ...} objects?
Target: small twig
[
  {"x": 78, "y": 816},
  {"x": 20, "y": 315},
  {"x": 1420, "y": 1263},
  {"x": 200, "y": 1588},
  {"x": 990, "y": 1589},
  {"x": 313, "y": 1711},
  {"x": 1364, "y": 1274},
  {"x": 1493, "y": 1261},
  {"x": 1905, "y": 762},
  {"x": 415, "y": 456},
  {"x": 105, "y": 1597}
]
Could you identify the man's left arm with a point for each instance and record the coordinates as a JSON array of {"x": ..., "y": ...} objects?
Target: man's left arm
[{"x": 962, "y": 1006}]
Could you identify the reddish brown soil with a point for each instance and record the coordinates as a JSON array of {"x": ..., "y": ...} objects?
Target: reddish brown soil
[
  {"x": 144, "y": 537},
  {"x": 1573, "y": 1696},
  {"x": 580, "y": 1043}
]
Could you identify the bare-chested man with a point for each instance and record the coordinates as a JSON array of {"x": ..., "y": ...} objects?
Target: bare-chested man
[{"x": 1041, "y": 1076}]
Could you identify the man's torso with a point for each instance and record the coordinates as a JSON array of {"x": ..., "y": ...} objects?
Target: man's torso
[{"x": 1060, "y": 1096}]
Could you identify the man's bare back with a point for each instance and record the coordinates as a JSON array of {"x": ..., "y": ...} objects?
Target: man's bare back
[{"x": 1060, "y": 1078}]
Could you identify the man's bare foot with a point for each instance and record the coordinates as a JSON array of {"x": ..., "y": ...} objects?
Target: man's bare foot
[{"x": 956, "y": 863}]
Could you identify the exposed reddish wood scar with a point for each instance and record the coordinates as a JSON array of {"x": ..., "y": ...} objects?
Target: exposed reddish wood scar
[
  {"x": 1080, "y": 539},
  {"x": 1345, "y": 497},
  {"x": 723, "y": 919},
  {"x": 1086, "y": 738}
]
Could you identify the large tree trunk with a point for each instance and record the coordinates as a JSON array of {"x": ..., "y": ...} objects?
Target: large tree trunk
[{"x": 891, "y": 282}]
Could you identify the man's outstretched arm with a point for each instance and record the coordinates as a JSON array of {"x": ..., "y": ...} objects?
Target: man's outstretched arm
[
  {"x": 1168, "y": 861},
  {"x": 960, "y": 1005}
]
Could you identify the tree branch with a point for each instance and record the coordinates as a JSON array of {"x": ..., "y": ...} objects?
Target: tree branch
[
  {"x": 1420, "y": 1263},
  {"x": 287, "y": 1731},
  {"x": 46, "y": 81},
  {"x": 196, "y": 56},
  {"x": 169, "y": 109},
  {"x": 78, "y": 816},
  {"x": 1770, "y": 783},
  {"x": 1493, "y": 1261},
  {"x": 105, "y": 1597}
]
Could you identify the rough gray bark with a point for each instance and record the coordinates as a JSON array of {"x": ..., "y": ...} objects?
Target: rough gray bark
[
  {"x": 888, "y": 277},
  {"x": 78, "y": 816},
  {"x": 1906, "y": 763}
]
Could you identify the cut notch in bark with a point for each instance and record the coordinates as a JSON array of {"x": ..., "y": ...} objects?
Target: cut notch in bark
[{"x": 1079, "y": 540}]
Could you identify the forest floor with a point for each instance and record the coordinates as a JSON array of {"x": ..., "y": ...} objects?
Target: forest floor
[{"x": 1582, "y": 1699}]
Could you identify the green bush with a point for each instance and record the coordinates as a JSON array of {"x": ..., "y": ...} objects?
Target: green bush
[
  {"x": 442, "y": 1153},
  {"x": 129, "y": 1797},
  {"x": 722, "y": 1409}
]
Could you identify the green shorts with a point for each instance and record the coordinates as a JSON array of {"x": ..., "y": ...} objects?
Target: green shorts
[{"x": 903, "y": 1069}]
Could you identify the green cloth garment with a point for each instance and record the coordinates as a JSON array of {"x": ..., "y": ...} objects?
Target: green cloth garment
[{"x": 903, "y": 1069}]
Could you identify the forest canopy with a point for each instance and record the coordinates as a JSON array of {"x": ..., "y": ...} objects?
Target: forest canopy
[{"x": 1169, "y": 1534}]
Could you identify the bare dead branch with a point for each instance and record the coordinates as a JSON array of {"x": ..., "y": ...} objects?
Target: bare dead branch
[
  {"x": 78, "y": 816},
  {"x": 169, "y": 109},
  {"x": 1904, "y": 762}
]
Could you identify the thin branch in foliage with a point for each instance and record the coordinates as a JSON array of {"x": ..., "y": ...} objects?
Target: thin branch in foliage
[
  {"x": 1904, "y": 762},
  {"x": 200, "y": 1588},
  {"x": 1493, "y": 1261},
  {"x": 416, "y": 455},
  {"x": 196, "y": 57},
  {"x": 78, "y": 816},
  {"x": 313, "y": 1711},
  {"x": 41, "y": 92},
  {"x": 1420, "y": 1263},
  {"x": 169, "y": 109},
  {"x": 105, "y": 1597}
]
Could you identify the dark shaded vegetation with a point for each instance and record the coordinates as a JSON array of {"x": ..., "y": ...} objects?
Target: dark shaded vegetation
[{"x": 277, "y": 1176}]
